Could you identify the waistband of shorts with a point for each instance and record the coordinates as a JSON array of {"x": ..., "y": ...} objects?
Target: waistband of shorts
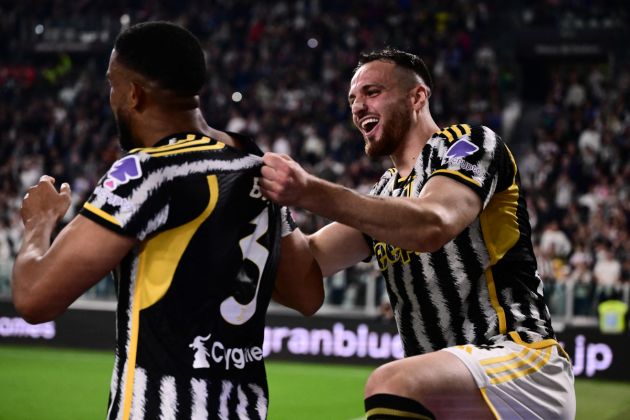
[{"x": 542, "y": 344}]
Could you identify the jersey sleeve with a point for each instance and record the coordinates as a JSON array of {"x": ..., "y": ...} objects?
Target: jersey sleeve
[
  {"x": 288, "y": 225},
  {"x": 131, "y": 198},
  {"x": 474, "y": 156}
]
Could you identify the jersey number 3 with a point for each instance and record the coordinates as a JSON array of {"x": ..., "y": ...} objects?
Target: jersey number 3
[{"x": 231, "y": 310}]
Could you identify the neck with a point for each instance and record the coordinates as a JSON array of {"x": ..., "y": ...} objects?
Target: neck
[
  {"x": 157, "y": 124},
  {"x": 405, "y": 157}
]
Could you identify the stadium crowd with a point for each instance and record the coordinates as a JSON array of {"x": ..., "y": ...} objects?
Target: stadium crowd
[{"x": 280, "y": 73}]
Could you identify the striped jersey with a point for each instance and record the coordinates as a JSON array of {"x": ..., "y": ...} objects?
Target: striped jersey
[
  {"x": 192, "y": 295},
  {"x": 481, "y": 287}
]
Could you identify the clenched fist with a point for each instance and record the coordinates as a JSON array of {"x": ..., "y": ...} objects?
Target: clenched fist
[
  {"x": 283, "y": 180},
  {"x": 44, "y": 202}
]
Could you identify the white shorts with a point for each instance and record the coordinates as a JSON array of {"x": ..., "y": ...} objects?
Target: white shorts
[{"x": 522, "y": 381}]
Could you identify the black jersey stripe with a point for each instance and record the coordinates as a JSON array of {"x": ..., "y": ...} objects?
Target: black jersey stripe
[
  {"x": 469, "y": 291},
  {"x": 456, "y": 293},
  {"x": 401, "y": 307},
  {"x": 415, "y": 305},
  {"x": 464, "y": 127}
]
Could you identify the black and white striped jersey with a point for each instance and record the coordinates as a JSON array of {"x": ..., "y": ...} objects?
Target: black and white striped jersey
[
  {"x": 193, "y": 294},
  {"x": 482, "y": 287}
]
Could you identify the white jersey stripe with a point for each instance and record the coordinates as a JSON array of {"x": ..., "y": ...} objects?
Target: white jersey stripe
[
  {"x": 168, "y": 398},
  {"x": 241, "y": 408},
  {"x": 139, "y": 394},
  {"x": 199, "y": 410},
  {"x": 416, "y": 318},
  {"x": 261, "y": 401},
  {"x": 113, "y": 388},
  {"x": 226, "y": 390},
  {"x": 437, "y": 298},
  {"x": 154, "y": 180}
]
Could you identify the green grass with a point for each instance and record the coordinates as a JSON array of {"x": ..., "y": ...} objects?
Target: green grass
[{"x": 55, "y": 384}]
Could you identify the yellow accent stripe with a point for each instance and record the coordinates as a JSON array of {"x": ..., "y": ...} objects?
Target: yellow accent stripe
[
  {"x": 494, "y": 300},
  {"x": 151, "y": 265},
  {"x": 466, "y": 128},
  {"x": 453, "y": 132},
  {"x": 448, "y": 135},
  {"x": 489, "y": 403},
  {"x": 178, "y": 143},
  {"x": 395, "y": 413},
  {"x": 539, "y": 344},
  {"x": 457, "y": 131},
  {"x": 162, "y": 253},
  {"x": 501, "y": 359},
  {"x": 133, "y": 345},
  {"x": 181, "y": 144},
  {"x": 525, "y": 372},
  {"x": 516, "y": 364},
  {"x": 216, "y": 146},
  {"x": 450, "y": 171},
  {"x": 101, "y": 214}
]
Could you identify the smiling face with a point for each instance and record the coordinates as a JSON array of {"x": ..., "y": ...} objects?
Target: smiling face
[{"x": 380, "y": 107}]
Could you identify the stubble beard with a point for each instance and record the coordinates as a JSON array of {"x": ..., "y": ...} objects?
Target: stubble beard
[
  {"x": 125, "y": 138},
  {"x": 394, "y": 130}
]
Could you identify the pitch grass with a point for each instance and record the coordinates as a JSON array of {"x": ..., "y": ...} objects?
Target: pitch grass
[{"x": 58, "y": 384}]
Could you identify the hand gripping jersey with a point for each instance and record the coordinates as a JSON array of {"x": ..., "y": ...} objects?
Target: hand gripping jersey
[
  {"x": 192, "y": 295},
  {"x": 481, "y": 287}
]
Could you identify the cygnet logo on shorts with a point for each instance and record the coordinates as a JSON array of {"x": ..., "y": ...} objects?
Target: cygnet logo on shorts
[{"x": 229, "y": 357}]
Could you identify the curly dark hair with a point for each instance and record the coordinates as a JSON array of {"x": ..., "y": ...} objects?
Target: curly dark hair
[{"x": 164, "y": 53}]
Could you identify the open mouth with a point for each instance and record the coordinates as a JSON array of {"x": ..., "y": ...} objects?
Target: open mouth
[{"x": 369, "y": 124}]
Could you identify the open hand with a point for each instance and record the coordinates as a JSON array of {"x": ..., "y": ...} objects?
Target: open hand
[
  {"x": 44, "y": 202},
  {"x": 283, "y": 180}
]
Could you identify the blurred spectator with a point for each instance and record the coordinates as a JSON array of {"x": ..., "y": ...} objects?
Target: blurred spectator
[
  {"x": 554, "y": 242},
  {"x": 280, "y": 73},
  {"x": 607, "y": 272},
  {"x": 581, "y": 280}
]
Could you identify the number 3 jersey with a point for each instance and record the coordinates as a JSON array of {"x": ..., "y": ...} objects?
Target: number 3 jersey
[
  {"x": 193, "y": 293},
  {"x": 481, "y": 287}
]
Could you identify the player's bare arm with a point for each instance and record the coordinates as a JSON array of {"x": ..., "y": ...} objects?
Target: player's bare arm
[
  {"x": 337, "y": 246},
  {"x": 422, "y": 224},
  {"x": 299, "y": 280},
  {"x": 47, "y": 277}
]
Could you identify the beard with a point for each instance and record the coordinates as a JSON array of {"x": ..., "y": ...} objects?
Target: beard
[
  {"x": 125, "y": 138},
  {"x": 395, "y": 128}
]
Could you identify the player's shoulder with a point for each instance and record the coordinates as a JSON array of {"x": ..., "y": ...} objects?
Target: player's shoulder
[
  {"x": 456, "y": 132},
  {"x": 470, "y": 137}
]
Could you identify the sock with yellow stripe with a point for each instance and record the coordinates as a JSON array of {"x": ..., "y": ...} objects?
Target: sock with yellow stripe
[{"x": 394, "y": 407}]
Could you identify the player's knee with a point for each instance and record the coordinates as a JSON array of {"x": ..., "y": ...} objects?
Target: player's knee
[{"x": 386, "y": 379}]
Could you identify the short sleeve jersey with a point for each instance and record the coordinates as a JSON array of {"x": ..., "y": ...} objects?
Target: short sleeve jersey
[
  {"x": 192, "y": 295},
  {"x": 481, "y": 287}
]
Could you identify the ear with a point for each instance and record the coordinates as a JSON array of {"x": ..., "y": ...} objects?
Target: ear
[
  {"x": 137, "y": 96},
  {"x": 420, "y": 96}
]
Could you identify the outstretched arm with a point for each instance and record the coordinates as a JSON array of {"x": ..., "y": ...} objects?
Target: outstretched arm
[
  {"x": 47, "y": 277},
  {"x": 443, "y": 209}
]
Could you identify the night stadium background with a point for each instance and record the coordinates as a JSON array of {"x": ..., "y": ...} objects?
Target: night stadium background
[{"x": 552, "y": 77}]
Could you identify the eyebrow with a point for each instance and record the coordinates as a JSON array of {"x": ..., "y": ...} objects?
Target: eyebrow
[{"x": 366, "y": 87}]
